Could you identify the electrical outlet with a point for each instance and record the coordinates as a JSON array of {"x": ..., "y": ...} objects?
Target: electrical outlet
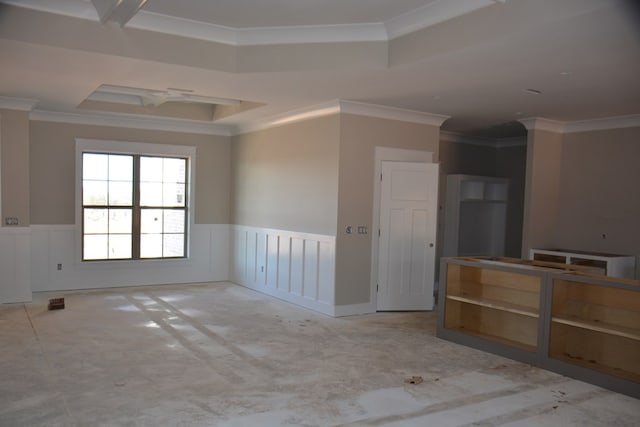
[{"x": 59, "y": 267}]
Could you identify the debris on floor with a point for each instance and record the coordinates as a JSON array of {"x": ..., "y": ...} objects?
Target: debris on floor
[
  {"x": 56, "y": 303},
  {"x": 414, "y": 380}
]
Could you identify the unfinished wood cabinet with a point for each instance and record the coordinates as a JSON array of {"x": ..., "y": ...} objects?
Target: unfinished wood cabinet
[
  {"x": 502, "y": 306},
  {"x": 558, "y": 316},
  {"x": 595, "y": 324}
]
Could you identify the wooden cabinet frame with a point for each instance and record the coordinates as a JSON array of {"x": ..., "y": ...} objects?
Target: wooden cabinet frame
[{"x": 555, "y": 316}]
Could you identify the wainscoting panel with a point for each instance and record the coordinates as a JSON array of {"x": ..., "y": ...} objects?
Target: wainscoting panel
[
  {"x": 295, "y": 267},
  {"x": 55, "y": 262},
  {"x": 15, "y": 272}
]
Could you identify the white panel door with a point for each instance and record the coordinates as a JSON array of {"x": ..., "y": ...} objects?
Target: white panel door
[{"x": 408, "y": 217}]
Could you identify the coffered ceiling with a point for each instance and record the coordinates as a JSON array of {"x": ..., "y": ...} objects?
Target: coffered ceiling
[{"x": 234, "y": 65}]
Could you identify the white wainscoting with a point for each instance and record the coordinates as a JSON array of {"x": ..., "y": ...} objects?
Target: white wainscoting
[
  {"x": 15, "y": 255},
  {"x": 295, "y": 267},
  {"x": 56, "y": 244}
]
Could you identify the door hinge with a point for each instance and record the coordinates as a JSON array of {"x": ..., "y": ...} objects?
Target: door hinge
[
  {"x": 377, "y": 287},
  {"x": 380, "y": 177},
  {"x": 378, "y": 232}
]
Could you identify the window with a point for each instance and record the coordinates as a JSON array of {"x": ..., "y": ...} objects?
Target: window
[{"x": 134, "y": 206}]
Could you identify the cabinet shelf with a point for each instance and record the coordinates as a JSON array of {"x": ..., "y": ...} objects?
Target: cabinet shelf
[
  {"x": 605, "y": 328},
  {"x": 496, "y": 338},
  {"x": 496, "y": 305}
]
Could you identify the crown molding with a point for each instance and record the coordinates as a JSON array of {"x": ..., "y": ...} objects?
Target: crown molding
[
  {"x": 312, "y": 34},
  {"x": 391, "y": 113},
  {"x": 22, "y": 104},
  {"x": 293, "y": 116},
  {"x": 151, "y": 21},
  {"x": 432, "y": 13},
  {"x": 435, "y": 12},
  {"x": 605, "y": 123},
  {"x": 483, "y": 142},
  {"x": 345, "y": 107},
  {"x": 75, "y": 8},
  {"x": 131, "y": 122},
  {"x": 540, "y": 123}
]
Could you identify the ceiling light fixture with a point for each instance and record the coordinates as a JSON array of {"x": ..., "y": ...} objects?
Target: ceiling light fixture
[{"x": 118, "y": 11}]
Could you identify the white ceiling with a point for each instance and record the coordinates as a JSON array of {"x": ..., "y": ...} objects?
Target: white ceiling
[{"x": 468, "y": 59}]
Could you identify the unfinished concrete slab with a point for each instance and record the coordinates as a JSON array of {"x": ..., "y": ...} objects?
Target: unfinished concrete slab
[{"x": 223, "y": 355}]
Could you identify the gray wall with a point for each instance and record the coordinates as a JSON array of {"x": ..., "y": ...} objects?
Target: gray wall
[
  {"x": 52, "y": 169},
  {"x": 599, "y": 191},
  {"x": 511, "y": 163},
  {"x": 286, "y": 177},
  {"x": 468, "y": 159}
]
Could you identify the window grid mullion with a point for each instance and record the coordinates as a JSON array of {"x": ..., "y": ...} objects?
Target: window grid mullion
[{"x": 135, "y": 238}]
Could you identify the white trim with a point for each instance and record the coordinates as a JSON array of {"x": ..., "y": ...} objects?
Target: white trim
[
  {"x": 540, "y": 123},
  {"x": 433, "y": 13},
  {"x": 142, "y": 148},
  {"x": 55, "y": 244},
  {"x": 293, "y": 116},
  {"x": 15, "y": 230},
  {"x": 299, "y": 234},
  {"x": 346, "y": 107},
  {"x": 617, "y": 122},
  {"x": 391, "y": 113},
  {"x": 74, "y": 8},
  {"x": 151, "y": 21},
  {"x": 368, "y": 32},
  {"x": 603, "y": 123},
  {"x": 459, "y": 138},
  {"x": 257, "y": 36},
  {"x": 353, "y": 309},
  {"x": 131, "y": 122},
  {"x": 289, "y": 265},
  {"x": 430, "y": 14},
  {"x": 22, "y": 104},
  {"x": 15, "y": 263}
]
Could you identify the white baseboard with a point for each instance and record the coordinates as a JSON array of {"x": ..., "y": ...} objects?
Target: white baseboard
[{"x": 354, "y": 309}]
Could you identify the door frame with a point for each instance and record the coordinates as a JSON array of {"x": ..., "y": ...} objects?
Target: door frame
[{"x": 395, "y": 155}]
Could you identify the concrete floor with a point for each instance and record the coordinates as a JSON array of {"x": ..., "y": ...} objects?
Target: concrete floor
[{"x": 223, "y": 355}]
